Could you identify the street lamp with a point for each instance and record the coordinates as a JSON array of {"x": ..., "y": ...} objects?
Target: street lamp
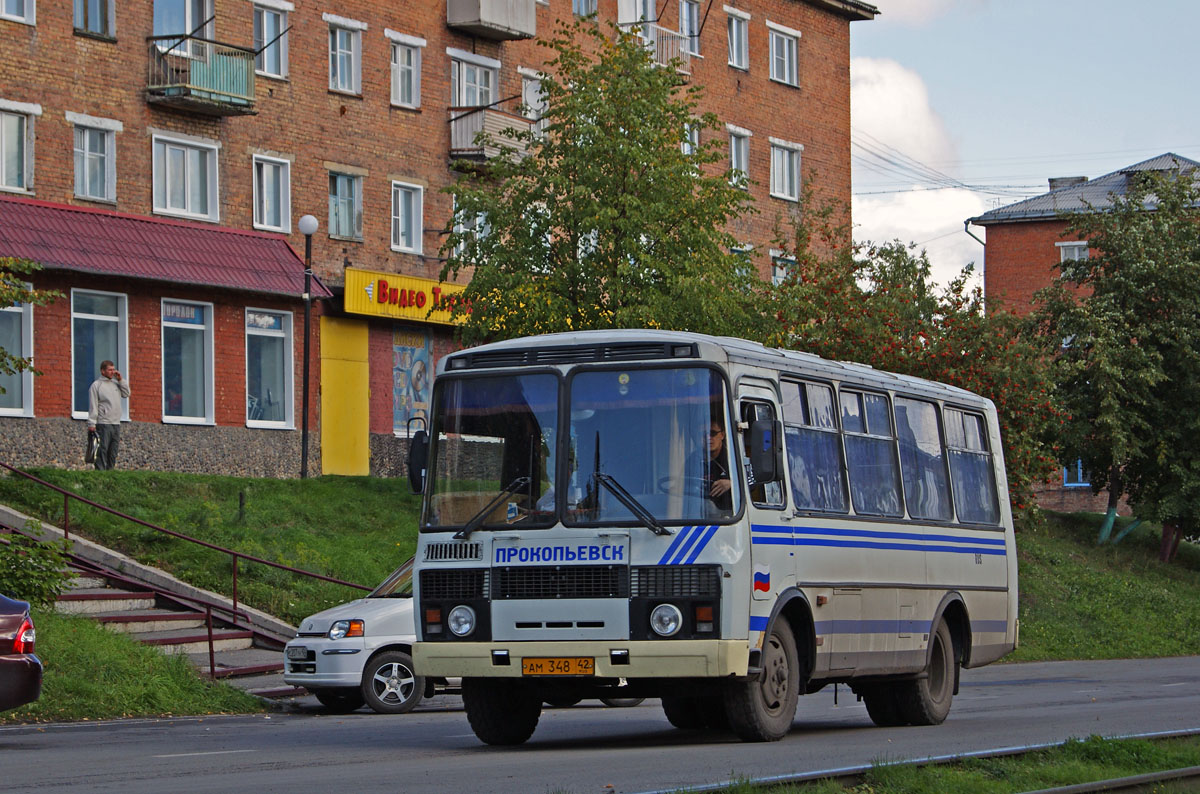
[{"x": 308, "y": 227}]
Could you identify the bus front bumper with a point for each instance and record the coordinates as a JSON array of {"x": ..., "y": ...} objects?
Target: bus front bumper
[{"x": 612, "y": 658}]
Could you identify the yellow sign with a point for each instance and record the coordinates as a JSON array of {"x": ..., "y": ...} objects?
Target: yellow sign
[{"x": 400, "y": 297}]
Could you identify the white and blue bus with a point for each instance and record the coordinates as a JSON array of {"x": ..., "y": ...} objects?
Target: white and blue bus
[{"x": 708, "y": 521}]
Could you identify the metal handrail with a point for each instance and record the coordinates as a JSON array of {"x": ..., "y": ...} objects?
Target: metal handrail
[{"x": 235, "y": 555}]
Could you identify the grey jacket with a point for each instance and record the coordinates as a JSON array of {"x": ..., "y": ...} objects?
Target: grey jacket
[{"x": 104, "y": 400}]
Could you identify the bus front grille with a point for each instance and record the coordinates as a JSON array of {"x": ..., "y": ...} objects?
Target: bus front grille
[
  {"x": 676, "y": 581},
  {"x": 561, "y": 581},
  {"x": 456, "y": 584}
]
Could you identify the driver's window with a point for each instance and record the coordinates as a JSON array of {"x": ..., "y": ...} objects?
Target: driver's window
[{"x": 762, "y": 494}]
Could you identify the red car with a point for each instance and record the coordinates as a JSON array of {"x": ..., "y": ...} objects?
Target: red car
[{"x": 20, "y": 670}]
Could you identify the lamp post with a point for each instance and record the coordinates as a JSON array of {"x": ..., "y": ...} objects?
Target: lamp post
[{"x": 308, "y": 227}]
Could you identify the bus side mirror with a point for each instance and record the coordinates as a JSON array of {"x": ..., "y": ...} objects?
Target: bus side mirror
[
  {"x": 418, "y": 455},
  {"x": 765, "y": 450}
]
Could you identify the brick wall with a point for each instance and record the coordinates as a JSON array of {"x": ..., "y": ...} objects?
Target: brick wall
[{"x": 1021, "y": 258}]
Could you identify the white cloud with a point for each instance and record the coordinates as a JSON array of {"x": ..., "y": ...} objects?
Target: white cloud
[{"x": 891, "y": 114}]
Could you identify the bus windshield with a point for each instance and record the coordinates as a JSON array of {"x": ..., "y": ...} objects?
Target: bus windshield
[
  {"x": 492, "y": 459},
  {"x": 660, "y": 435}
]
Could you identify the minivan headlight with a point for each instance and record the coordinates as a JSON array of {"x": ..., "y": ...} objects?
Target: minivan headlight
[{"x": 345, "y": 628}]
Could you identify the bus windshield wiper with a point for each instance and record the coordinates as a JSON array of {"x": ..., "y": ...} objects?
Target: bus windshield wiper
[
  {"x": 477, "y": 519},
  {"x": 630, "y": 502}
]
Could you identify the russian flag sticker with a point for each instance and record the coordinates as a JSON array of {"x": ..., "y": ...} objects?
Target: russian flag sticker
[{"x": 762, "y": 578}]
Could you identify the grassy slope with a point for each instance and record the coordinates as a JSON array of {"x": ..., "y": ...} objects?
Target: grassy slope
[{"x": 93, "y": 673}]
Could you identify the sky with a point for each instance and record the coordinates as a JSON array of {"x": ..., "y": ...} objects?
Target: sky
[{"x": 961, "y": 106}]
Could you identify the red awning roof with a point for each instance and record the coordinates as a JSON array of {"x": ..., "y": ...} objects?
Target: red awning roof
[{"x": 60, "y": 236}]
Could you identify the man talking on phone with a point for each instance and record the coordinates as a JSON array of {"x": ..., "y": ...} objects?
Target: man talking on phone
[{"x": 104, "y": 412}]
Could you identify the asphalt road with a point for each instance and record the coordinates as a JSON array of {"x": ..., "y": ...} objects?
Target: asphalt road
[{"x": 587, "y": 748}]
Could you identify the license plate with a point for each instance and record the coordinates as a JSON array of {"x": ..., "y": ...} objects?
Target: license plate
[
  {"x": 561, "y": 665},
  {"x": 297, "y": 652}
]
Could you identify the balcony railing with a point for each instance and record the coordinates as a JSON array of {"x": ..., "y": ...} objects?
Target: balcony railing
[
  {"x": 666, "y": 46},
  {"x": 201, "y": 76},
  {"x": 467, "y": 122}
]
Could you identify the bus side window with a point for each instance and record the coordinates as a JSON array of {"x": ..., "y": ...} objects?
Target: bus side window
[{"x": 762, "y": 494}]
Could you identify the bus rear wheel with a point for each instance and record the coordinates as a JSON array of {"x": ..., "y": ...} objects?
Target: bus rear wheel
[
  {"x": 762, "y": 710},
  {"x": 500, "y": 712},
  {"x": 926, "y": 701}
]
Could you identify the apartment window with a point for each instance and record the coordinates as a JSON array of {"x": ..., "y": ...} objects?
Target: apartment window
[
  {"x": 691, "y": 138},
  {"x": 16, "y": 149},
  {"x": 781, "y": 267},
  {"x": 1077, "y": 250},
  {"x": 785, "y": 170},
  {"x": 184, "y": 18},
  {"x": 272, "y": 194},
  {"x": 785, "y": 45},
  {"x": 476, "y": 226},
  {"x": 473, "y": 79},
  {"x": 16, "y": 339},
  {"x": 95, "y": 171},
  {"x": 18, "y": 10},
  {"x": 583, "y": 8},
  {"x": 345, "y": 54},
  {"x": 99, "y": 328},
  {"x": 185, "y": 178},
  {"x": 345, "y": 206},
  {"x": 739, "y": 38},
  {"x": 271, "y": 40},
  {"x": 187, "y": 362},
  {"x": 407, "y": 217},
  {"x": 689, "y": 24},
  {"x": 94, "y": 16},
  {"x": 739, "y": 155},
  {"x": 269, "y": 369},
  {"x": 1075, "y": 477},
  {"x": 406, "y": 69},
  {"x": 533, "y": 103}
]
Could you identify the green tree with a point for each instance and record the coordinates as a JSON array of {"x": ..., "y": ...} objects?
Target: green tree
[
  {"x": 878, "y": 305},
  {"x": 610, "y": 219},
  {"x": 13, "y": 290},
  {"x": 1127, "y": 334}
]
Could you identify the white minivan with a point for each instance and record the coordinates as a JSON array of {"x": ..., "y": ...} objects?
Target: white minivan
[{"x": 360, "y": 652}]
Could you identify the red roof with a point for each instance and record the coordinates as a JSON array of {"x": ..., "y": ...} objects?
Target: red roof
[{"x": 64, "y": 237}]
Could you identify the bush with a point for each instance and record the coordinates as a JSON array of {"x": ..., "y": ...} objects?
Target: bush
[{"x": 32, "y": 570}]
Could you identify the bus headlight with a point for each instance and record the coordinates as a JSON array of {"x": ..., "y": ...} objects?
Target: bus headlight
[
  {"x": 461, "y": 620},
  {"x": 666, "y": 620}
]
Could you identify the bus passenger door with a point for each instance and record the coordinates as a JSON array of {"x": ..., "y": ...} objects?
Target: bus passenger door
[{"x": 766, "y": 502}]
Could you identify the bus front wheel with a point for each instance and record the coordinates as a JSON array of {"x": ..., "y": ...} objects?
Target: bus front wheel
[
  {"x": 500, "y": 712},
  {"x": 762, "y": 710}
]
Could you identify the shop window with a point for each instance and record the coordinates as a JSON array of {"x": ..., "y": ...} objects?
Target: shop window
[
  {"x": 187, "y": 356},
  {"x": 412, "y": 377},
  {"x": 16, "y": 339},
  {"x": 269, "y": 401},
  {"x": 99, "y": 332}
]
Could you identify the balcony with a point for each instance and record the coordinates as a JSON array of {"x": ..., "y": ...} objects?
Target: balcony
[
  {"x": 197, "y": 75},
  {"x": 499, "y": 20},
  {"x": 467, "y": 122},
  {"x": 666, "y": 46}
]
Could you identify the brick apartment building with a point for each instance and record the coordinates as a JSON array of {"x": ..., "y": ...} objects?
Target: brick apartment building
[
  {"x": 1026, "y": 243},
  {"x": 156, "y": 157}
]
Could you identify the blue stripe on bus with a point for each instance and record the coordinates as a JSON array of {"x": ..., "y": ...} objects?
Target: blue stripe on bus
[
  {"x": 989, "y": 625},
  {"x": 767, "y": 535},
  {"x": 758, "y": 623},
  {"x": 708, "y": 534},
  {"x": 694, "y": 534},
  {"x": 867, "y": 533},
  {"x": 872, "y": 626},
  {"x": 679, "y": 537},
  {"x": 688, "y": 544},
  {"x": 866, "y": 544}
]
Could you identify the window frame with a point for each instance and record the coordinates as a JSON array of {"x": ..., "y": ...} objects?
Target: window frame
[
  {"x": 285, "y": 197},
  {"x": 26, "y": 112},
  {"x": 108, "y": 128},
  {"x": 414, "y": 45},
  {"x": 739, "y": 149},
  {"x": 781, "y": 266},
  {"x": 192, "y": 48},
  {"x": 986, "y": 451},
  {"x": 417, "y": 220},
  {"x": 122, "y": 355},
  {"x": 1082, "y": 481},
  {"x": 1066, "y": 248},
  {"x": 792, "y": 154},
  {"x": 689, "y": 25},
  {"x": 282, "y": 11},
  {"x": 29, "y": 18},
  {"x": 584, "y": 8},
  {"x": 158, "y": 194},
  {"x": 871, "y": 434},
  {"x": 778, "y": 35},
  {"x": 209, "y": 386},
  {"x": 26, "y": 376},
  {"x": 834, "y": 430},
  {"x": 354, "y": 29},
  {"x": 107, "y": 12},
  {"x": 461, "y": 60},
  {"x": 334, "y": 228},
  {"x": 737, "y": 33},
  {"x": 289, "y": 366}
]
